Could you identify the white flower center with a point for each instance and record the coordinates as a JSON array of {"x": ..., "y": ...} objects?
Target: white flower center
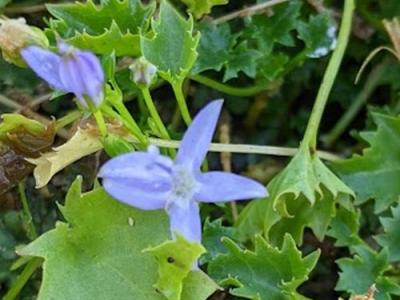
[{"x": 184, "y": 185}]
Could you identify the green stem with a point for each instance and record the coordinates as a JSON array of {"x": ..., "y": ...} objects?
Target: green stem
[
  {"x": 100, "y": 122},
  {"x": 140, "y": 138},
  {"x": 370, "y": 85},
  {"x": 23, "y": 278},
  {"x": 98, "y": 116},
  {"x": 68, "y": 119},
  {"x": 124, "y": 112},
  {"x": 310, "y": 136},
  {"x": 230, "y": 90},
  {"x": 127, "y": 118},
  {"x": 31, "y": 230},
  {"x": 180, "y": 98},
  {"x": 154, "y": 113}
]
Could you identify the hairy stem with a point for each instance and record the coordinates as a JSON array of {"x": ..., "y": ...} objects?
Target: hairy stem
[{"x": 310, "y": 136}]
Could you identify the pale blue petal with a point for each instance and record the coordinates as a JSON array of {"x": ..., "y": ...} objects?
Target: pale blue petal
[
  {"x": 140, "y": 179},
  {"x": 197, "y": 138},
  {"x": 45, "y": 64},
  {"x": 133, "y": 195},
  {"x": 92, "y": 73},
  {"x": 223, "y": 186},
  {"x": 71, "y": 76},
  {"x": 185, "y": 221},
  {"x": 81, "y": 74}
]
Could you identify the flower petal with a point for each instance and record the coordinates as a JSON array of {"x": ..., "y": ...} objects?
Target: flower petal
[
  {"x": 93, "y": 75},
  {"x": 223, "y": 186},
  {"x": 197, "y": 138},
  {"x": 185, "y": 221},
  {"x": 140, "y": 179},
  {"x": 45, "y": 64},
  {"x": 71, "y": 76}
]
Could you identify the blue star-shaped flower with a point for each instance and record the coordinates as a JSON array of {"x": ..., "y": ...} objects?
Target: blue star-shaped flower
[
  {"x": 74, "y": 71},
  {"x": 148, "y": 180}
]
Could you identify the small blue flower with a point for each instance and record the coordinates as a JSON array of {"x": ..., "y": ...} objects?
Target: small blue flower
[
  {"x": 74, "y": 71},
  {"x": 148, "y": 180}
]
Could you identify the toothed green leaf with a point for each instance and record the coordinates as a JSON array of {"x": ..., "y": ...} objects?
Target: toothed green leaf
[
  {"x": 242, "y": 59},
  {"x": 171, "y": 47},
  {"x": 98, "y": 252},
  {"x": 319, "y": 35},
  {"x": 390, "y": 239},
  {"x": 365, "y": 269},
  {"x": 95, "y": 27},
  {"x": 304, "y": 194},
  {"x": 214, "y": 49},
  {"x": 376, "y": 173},
  {"x": 175, "y": 261},
  {"x": 265, "y": 274}
]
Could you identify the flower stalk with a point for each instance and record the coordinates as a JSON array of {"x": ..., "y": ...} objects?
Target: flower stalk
[{"x": 310, "y": 136}]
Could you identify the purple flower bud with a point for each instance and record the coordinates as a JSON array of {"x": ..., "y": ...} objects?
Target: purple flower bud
[{"x": 74, "y": 71}]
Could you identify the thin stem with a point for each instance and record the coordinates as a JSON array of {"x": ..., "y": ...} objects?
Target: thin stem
[
  {"x": 100, "y": 122},
  {"x": 30, "y": 227},
  {"x": 129, "y": 125},
  {"x": 180, "y": 98},
  {"x": 23, "y": 278},
  {"x": 245, "y": 149},
  {"x": 230, "y": 90},
  {"x": 248, "y": 11},
  {"x": 370, "y": 85},
  {"x": 68, "y": 119},
  {"x": 154, "y": 113},
  {"x": 127, "y": 118},
  {"x": 310, "y": 136}
]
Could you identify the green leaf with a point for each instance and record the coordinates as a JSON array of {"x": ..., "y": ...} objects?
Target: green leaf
[
  {"x": 172, "y": 45},
  {"x": 242, "y": 59},
  {"x": 376, "y": 173},
  {"x": 213, "y": 232},
  {"x": 214, "y": 48},
  {"x": 344, "y": 227},
  {"x": 265, "y": 274},
  {"x": 95, "y": 27},
  {"x": 267, "y": 31},
  {"x": 365, "y": 269},
  {"x": 390, "y": 239},
  {"x": 99, "y": 253},
  {"x": 202, "y": 7},
  {"x": 176, "y": 259},
  {"x": 303, "y": 195},
  {"x": 319, "y": 35},
  {"x": 4, "y": 2},
  {"x": 272, "y": 65}
]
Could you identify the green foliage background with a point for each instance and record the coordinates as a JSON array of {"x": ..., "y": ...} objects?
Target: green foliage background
[{"x": 329, "y": 229}]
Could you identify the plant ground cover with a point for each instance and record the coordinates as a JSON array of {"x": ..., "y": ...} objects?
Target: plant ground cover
[{"x": 108, "y": 109}]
